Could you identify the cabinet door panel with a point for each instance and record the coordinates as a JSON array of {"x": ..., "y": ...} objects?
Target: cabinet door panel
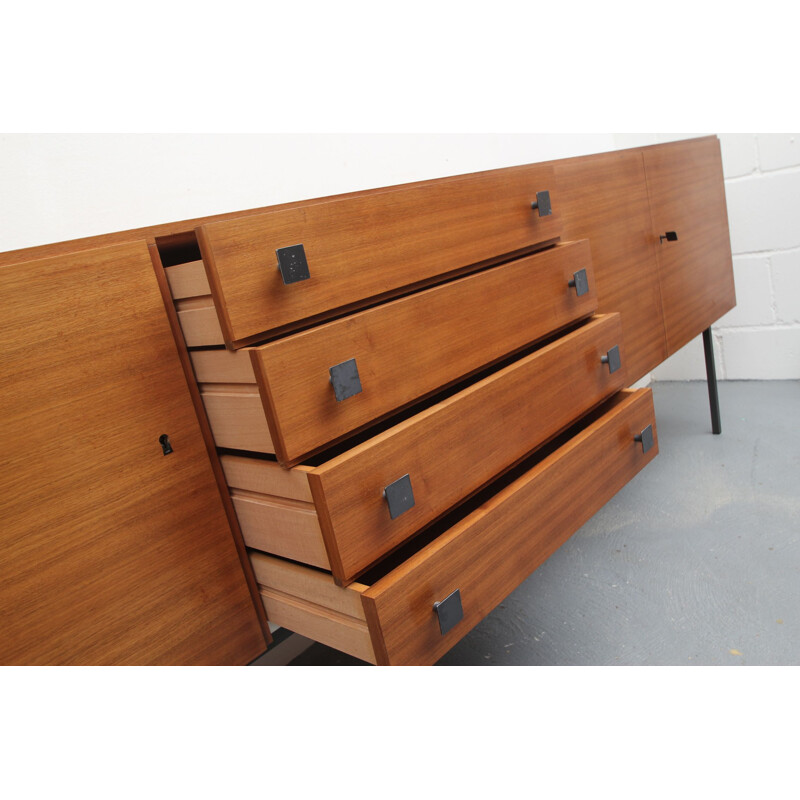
[
  {"x": 604, "y": 198},
  {"x": 111, "y": 551},
  {"x": 687, "y": 196}
]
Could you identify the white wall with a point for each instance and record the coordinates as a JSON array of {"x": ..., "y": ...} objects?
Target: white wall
[
  {"x": 760, "y": 338},
  {"x": 58, "y": 187}
]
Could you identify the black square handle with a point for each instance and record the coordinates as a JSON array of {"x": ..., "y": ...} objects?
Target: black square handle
[
  {"x": 646, "y": 438},
  {"x": 399, "y": 496},
  {"x": 345, "y": 379},
  {"x": 612, "y": 358},
  {"x": 293, "y": 264},
  {"x": 580, "y": 282},
  {"x": 542, "y": 204},
  {"x": 449, "y": 611}
]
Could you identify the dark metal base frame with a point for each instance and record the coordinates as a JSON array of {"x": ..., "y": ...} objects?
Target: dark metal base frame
[{"x": 711, "y": 374}]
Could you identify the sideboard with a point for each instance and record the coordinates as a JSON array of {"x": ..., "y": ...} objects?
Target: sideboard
[{"x": 364, "y": 418}]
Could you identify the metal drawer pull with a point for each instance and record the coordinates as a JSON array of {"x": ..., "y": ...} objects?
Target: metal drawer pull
[
  {"x": 646, "y": 438},
  {"x": 399, "y": 496},
  {"x": 580, "y": 282},
  {"x": 543, "y": 204},
  {"x": 293, "y": 264},
  {"x": 670, "y": 236},
  {"x": 449, "y": 611},
  {"x": 345, "y": 379},
  {"x": 612, "y": 358}
]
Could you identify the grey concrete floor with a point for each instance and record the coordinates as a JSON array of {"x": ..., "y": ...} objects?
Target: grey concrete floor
[{"x": 695, "y": 561}]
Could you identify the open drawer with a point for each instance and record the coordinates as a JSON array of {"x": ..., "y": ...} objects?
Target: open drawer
[
  {"x": 426, "y": 596},
  {"x": 351, "y": 372},
  {"x": 347, "y": 511},
  {"x": 268, "y": 272}
]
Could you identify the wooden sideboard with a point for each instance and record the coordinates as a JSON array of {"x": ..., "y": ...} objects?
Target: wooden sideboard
[{"x": 366, "y": 417}]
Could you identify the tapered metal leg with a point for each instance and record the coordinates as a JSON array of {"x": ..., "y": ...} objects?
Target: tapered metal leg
[{"x": 711, "y": 374}]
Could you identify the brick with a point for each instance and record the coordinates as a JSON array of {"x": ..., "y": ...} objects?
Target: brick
[
  {"x": 786, "y": 280},
  {"x": 762, "y": 212},
  {"x": 751, "y": 275},
  {"x": 778, "y": 150},
  {"x": 738, "y": 154},
  {"x": 762, "y": 354}
]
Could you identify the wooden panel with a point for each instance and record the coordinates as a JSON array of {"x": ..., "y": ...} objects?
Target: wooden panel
[
  {"x": 308, "y": 584},
  {"x": 111, "y": 552},
  {"x": 687, "y": 195},
  {"x": 454, "y": 447},
  {"x": 495, "y": 548},
  {"x": 605, "y": 200},
  {"x": 187, "y": 280},
  {"x": 236, "y": 416},
  {"x": 223, "y": 366},
  {"x": 275, "y": 509},
  {"x": 410, "y": 347},
  {"x": 199, "y": 322},
  {"x": 316, "y": 622},
  {"x": 266, "y": 477},
  {"x": 284, "y": 527},
  {"x": 366, "y": 246}
]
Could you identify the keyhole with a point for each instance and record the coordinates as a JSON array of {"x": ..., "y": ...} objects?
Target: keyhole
[{"x": 163, "y": 440}]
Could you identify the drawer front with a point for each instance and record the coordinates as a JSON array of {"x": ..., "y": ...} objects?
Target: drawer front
[
  {"x": 451, "y": 449},
  {"x": 365, "y": 246},
  {"x": 410, "y": 347},
  {"x": 491, "y": 551}
]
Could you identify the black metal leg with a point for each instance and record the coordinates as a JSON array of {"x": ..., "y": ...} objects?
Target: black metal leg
[{"x": 711, "y": 373}]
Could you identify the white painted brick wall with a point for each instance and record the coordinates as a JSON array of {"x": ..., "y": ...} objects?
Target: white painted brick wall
[{"x": 760, "y": 338}]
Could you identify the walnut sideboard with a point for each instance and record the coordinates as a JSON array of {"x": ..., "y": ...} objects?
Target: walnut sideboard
[{"x": 364, "y": 418}]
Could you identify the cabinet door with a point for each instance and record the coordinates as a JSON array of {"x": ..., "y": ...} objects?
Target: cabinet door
[
  {"x": 604, "y": 200},
  {"x": 687, "y": 197},
  {"x": 111, "y": 551}
]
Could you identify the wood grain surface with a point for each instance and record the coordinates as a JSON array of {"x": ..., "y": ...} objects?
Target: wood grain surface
[
  {"x": 208, "y": 439},
  {"x": 111, "y": 552},
  {"x": 491, "y": 551},
  {"x": 687, "y": 195},
  {"x": 199, "y": 322},
  {"x": 367, "y": 246},
  {"x": 275, "y": 509},
  {"x": 236, "y": 416},
  {"x": 454, "y": 447},
  {"x": 284, "y": 527},
  {"x": 187, "y": 280},
  {"x": 605, "y": 198},
  {"x": 411, "y": 347},
  {"x": 308, "y": 602}
]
